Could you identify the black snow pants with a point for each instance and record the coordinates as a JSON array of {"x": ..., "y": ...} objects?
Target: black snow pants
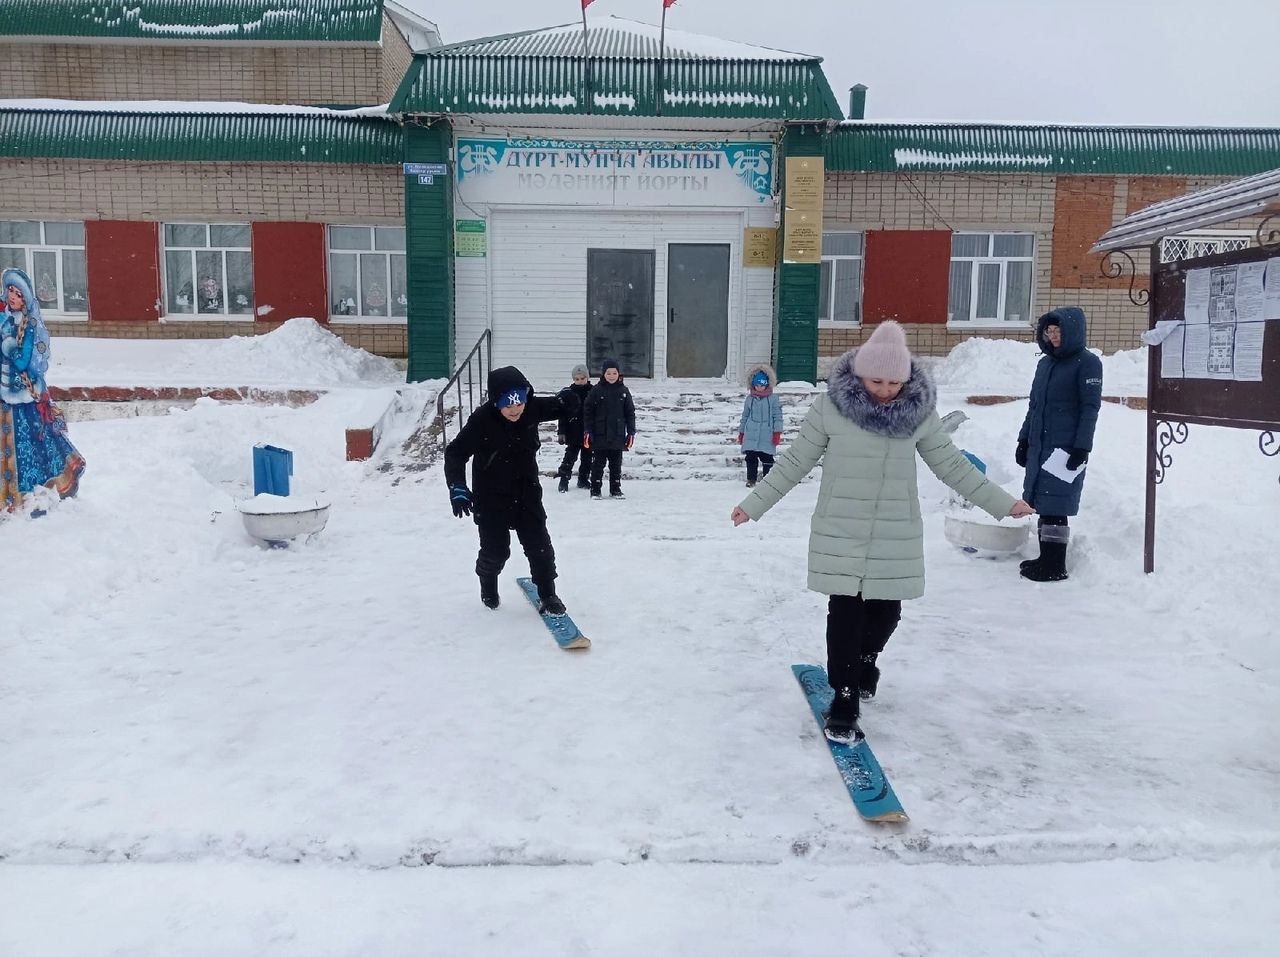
[
  {"x": 857, "y": 630},
  {"x": 531, "y": 530}
]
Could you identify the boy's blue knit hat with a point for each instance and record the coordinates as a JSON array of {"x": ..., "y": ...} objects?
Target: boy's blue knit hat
[
  {"x": 516, "y": 396},
  {"x": 760, "y": 378}
]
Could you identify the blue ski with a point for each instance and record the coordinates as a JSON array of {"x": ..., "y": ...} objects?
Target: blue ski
[
  {"x": 872, "y": 795},
  {"x": 562, "y": 628}
]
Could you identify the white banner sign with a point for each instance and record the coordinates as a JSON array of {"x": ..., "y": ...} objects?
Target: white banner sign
[{"x": 614, "y": 173}]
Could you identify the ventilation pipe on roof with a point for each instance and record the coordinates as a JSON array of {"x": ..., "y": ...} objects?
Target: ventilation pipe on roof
[{"x": 858, "y": 102}]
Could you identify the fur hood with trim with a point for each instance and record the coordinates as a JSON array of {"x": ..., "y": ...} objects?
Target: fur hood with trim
[
  {"x": 897, "y": 419},
  {"x": 766, "y": 369}
]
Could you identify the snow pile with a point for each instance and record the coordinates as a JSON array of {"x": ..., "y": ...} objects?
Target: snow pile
[
  {"x": 1005, "y": 367},
  {"x": 300, "y": 354}
]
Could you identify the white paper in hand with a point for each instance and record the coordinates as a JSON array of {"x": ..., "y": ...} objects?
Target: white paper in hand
[{"x": 1056, "y": 465}]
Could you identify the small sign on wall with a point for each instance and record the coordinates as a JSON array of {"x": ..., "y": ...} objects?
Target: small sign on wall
[
  {"x": 804, "y": 182},
  {"x": 470, "y": 238},
  {"x": 760, "y": 247},
  {"x": 802, "y": 237}
]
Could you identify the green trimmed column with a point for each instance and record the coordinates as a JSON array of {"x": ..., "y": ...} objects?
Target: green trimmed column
[
  {"x": 428, "y": 219},
  {"x": 796, "y": 301}
]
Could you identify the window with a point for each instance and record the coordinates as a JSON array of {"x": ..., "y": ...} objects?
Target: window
[
  {"x": 367, "y": 278},
  {"x": 1195, "y": 245},
  {"x": 840, "y": 289},
  {"x": 991, "y": 277},
  {"x": 52, "y": 254},
  {"x": 208, "y": 270}
]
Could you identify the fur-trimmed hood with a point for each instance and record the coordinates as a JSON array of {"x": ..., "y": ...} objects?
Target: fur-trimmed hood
[
  {"x": 766, "y": 369},
  {"x": 899, "y": 418}
]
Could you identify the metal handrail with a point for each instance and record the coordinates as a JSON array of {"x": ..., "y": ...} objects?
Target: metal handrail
[{"x": 483, "y": 364}]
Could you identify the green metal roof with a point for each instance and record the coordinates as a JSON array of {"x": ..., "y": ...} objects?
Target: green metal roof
[
  {"x": 196, "y": 21},
  {"x": 545, "y": 71},
  {"x": 265, "y": 137},
  {"x": 867, "y": 147}
]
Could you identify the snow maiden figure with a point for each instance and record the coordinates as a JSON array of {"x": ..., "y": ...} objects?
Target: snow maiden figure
[{"x": 35, "y": 449}]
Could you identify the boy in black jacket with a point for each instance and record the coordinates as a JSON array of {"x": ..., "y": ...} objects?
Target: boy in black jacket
[
  {"x": 501, "y": 439},
  {"x": 569, "y": 431},
  {"x": 609, "y": 427}
]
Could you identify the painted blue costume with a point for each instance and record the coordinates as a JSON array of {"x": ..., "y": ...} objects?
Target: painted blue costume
[{"x": 34, "y": 448}]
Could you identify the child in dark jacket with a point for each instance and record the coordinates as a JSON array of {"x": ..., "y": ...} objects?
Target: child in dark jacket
[
  {"x": 760, "y": 429},
  {"x": 569, "y": 431},
  {"x": 501, "y": 439},
  {"x": 609, "y": 427}
]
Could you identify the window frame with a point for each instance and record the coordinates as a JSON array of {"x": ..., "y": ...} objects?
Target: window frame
[
  {"x": 59, "y": 312},
  {"x": 991, "y": 259},
  {"x": 825, "y": 322},
  {"x": 389, "y": 255},
  {"x": 1219, "y": 236},
  {"x": 195, "y": 315}
]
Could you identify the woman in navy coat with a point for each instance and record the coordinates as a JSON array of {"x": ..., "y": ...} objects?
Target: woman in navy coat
[{"x": 1066, "y": 395}]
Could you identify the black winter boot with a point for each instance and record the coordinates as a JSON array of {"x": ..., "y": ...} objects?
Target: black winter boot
[
  {"x": 564, "y": 483},
  {"x": 868, "y": 678},
  {"x": 549, "y": 603},
  {"x": 842, "y": 720},
  {"x": 489, "y": 591},
  {"x": 1051, "y": 566}
]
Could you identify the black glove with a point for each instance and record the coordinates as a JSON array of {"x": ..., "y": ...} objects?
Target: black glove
[
  {"x": 560, "y": 438},
  {"x": 1077, "y": 458},
  {"x": 1020, "y": 456},
  {"x": 460, "y": 499}
]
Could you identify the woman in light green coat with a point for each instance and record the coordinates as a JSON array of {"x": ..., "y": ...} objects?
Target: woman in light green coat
[{"x": 866, "y": 539}]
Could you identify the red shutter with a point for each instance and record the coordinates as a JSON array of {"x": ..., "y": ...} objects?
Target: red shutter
[
  {"x": 906, "y": 275},
  {"x": 289, "y": 271},
  {"x": 123, "y": 260}
]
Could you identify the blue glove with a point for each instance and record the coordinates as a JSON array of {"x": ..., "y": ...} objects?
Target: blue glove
[
  {"x": 1077, "y": 458},
  {"x": 460, "y": 499}
]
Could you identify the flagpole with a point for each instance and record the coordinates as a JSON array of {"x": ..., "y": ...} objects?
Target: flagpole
[
  {"x": 586, "y": 49},
  {"x": 662, "y": 58}
]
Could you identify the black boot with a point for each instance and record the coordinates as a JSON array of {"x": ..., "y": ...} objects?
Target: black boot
[
  {"x": 868, "y": 678},
  {"x": 1052, "y": 564},
  {"x": 842, "y": 720},
  {"x": 564, "y": 483},
  {"x": 489, "y": 591},
  {"x": 615, "y": 490},
  {"x": 595, "y": 491},
  {"x": 549, "y": 602}
]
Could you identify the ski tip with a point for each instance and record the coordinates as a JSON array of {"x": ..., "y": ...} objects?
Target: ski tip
[
  {"x": 889, "y": 817},
  {"x": 581, "y": 643}
]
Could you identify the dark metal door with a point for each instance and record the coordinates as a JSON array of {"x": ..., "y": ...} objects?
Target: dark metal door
[
  {"x": 697, "y": 309},
  {"x": 620, "y": 309}
]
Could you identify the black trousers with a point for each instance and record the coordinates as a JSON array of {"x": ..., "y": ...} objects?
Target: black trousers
[
  {"x": 571, "y": 452},
  {"x": 857, "y": 630},
  {"x": 598, "y": 459},
  {"x": 531, "y": 530},
  {"x": 754, "y": 460}
]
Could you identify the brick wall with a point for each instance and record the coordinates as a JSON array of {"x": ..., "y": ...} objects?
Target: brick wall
[
  {"x": 1067, "y": 214},
  {"x": 313, "y": 75},
  {"x": 208, "y": 192},
  {"x": 397, "y": 57},
  {"x": 386, "y": 339},
  {"x": 96, "y": 189}
]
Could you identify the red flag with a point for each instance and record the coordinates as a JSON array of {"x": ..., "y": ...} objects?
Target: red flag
[
  {"x": 665, "y": 3},
  {"x": 587, "y": 3}
]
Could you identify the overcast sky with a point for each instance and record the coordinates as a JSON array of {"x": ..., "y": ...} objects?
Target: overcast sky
[{"x": 1147, "y": 62}]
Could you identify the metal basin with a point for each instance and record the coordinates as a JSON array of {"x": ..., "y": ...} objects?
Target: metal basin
[{"x": 278, "y": 523}]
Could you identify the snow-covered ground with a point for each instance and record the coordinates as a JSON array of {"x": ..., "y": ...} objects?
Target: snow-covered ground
[{"x": 214, "y": 748}]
